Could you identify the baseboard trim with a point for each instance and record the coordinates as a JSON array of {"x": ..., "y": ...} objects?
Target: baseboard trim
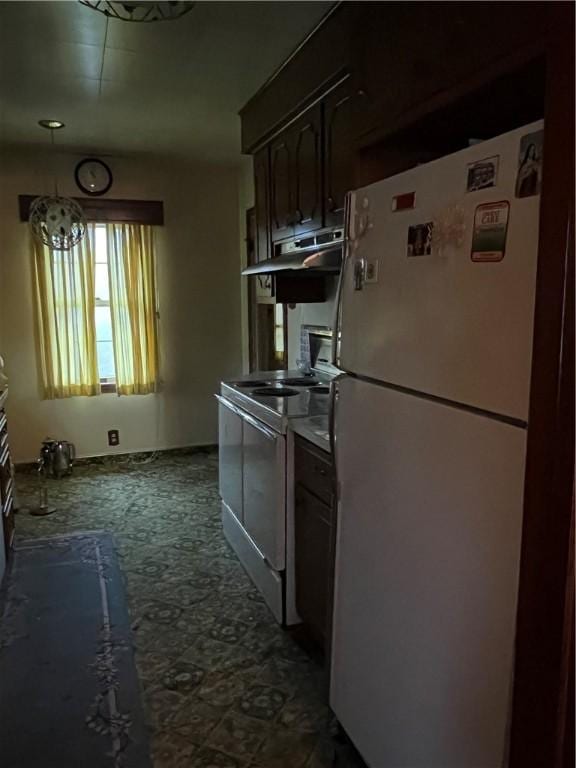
[{"x": 129, "y": 456}]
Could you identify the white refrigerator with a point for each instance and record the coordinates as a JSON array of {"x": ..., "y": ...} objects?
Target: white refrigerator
[{"x": 435, "y": 316}]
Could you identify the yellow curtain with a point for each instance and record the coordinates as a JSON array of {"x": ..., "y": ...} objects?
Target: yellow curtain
[
  {"x": 64, "y": 297},
  {"x": 133, "y": 307}
]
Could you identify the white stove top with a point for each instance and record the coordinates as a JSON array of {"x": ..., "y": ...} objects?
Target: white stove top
[{"x": 275, "y": 397}]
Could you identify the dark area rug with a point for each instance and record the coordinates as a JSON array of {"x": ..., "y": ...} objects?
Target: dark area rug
[{"x": 69, "y": 690}]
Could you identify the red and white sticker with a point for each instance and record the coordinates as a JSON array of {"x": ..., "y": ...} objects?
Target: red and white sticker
[{"x": 404, "y": 202}]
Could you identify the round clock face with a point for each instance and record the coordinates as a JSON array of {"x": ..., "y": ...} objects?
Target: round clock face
[{"x": 93, "y": 176}]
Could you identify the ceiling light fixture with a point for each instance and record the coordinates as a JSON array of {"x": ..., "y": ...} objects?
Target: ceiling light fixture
[
  {"x": 56, "y": 221},
  {"x": 140, "y": 11},
  {"x": 53, "y": 125}
]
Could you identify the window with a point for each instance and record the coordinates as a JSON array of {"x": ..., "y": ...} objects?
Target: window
[
  {"x": 96, "y": 313},
  {"x": 103, "y": 317},
  {"x": 279, "y": 334}
]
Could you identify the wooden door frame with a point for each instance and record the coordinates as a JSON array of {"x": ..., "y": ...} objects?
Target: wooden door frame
[{"x": 544, "y": 641}]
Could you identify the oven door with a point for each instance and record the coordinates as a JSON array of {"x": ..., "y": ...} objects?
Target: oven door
[{"x": 264, "y": 490}]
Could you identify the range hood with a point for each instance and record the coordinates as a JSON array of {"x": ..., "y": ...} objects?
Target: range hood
[{"x": 320, "y": 253}]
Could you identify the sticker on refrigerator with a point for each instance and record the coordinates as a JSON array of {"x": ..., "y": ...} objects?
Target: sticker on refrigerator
[
  {"x": 529, "y": 178},
  {"x": 403, "y": 202},
  {"x": 490, "y": 227},
  {"x": 420, "y": 239},
  {"x": 482, "y": 174}
]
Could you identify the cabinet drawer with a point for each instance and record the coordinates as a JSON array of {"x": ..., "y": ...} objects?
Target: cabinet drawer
[{"x": 313, "y": 470}]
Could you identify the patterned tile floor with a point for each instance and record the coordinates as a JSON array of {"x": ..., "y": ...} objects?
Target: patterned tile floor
[{"x": 224, "y": 685}]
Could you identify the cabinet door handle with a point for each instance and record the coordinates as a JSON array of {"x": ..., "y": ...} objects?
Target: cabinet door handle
[
  {"x": 299, "y": 216},
  {"x": 331, "y": 204}
]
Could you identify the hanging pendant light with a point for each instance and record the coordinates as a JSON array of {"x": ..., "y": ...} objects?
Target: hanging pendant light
[
  {"x": 140, "y": 11},
  {"x": 56, "y": 221}
]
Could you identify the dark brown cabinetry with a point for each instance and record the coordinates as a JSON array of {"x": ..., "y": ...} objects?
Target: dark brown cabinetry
[
  {"x": 307, "y": 133},
  {"x": 281, "y": 187},
  {"x": 262, "y": 204},
  {"x": 473, "y": 44},
  {"x": 338, "y": 150},
  {"x": 296, "y": 177},
  {"x": 314, "y": 539}
]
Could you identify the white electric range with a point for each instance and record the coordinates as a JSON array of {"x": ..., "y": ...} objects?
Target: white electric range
[{"x": 255, "y": 412}]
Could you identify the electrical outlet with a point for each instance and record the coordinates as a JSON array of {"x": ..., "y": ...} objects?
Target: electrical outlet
[{"x": 113, "y": 437}]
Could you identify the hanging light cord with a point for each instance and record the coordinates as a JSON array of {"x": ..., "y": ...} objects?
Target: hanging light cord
[
  {"x": 53, "y": 153},
  {"x": 103, "y": 55}
]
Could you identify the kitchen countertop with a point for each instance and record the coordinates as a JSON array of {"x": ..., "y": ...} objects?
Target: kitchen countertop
[{"x": 314, "y": 429}]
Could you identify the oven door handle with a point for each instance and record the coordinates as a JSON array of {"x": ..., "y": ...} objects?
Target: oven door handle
[
  {"x": 268, "y": 433},
  {"x": 228, "y": 404}
]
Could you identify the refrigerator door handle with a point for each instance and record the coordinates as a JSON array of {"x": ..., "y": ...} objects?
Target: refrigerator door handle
[{"x": 338, "y": 302}]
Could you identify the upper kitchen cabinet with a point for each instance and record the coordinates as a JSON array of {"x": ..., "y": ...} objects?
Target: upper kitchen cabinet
[
  {"x": 307, "y": 137},
  {"x": 339, "y": 107},
  {"x": 410, "y": 59},
  {"x": 282, "y": 186},
  {"x": 296, "y": 177},
  {"x": 315, "y": 66},
  {"x": 262, "y": 203}
]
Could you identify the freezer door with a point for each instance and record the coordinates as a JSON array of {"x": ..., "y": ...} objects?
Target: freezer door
[
  {"x": 230, "y": 457},
  {"x": 264, "y": 490},
  {"x": 441, "y": 322},
  {"x": 429, "y": 526}
]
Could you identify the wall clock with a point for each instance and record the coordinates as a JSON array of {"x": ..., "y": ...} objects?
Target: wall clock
[{"x": 93, "y": 176}]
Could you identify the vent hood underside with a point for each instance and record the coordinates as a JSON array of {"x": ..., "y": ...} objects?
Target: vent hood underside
[{"x": 325, "y": 260}]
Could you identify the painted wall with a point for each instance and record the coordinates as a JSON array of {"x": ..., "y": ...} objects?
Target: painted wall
[{"x": 199, "y": 295}]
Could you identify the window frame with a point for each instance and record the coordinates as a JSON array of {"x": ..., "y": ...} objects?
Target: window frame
[{"x": 107, "y": 384}]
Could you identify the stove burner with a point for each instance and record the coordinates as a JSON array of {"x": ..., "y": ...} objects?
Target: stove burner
[
  {"x": 300, "y": 382},
  {"x": 252, "y": 384},
  {"x": 320, "y": 390},
  {"x": 276, "y": 392}
]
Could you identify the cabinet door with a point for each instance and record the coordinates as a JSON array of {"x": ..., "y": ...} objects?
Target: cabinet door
[
  {"x": 396, "y": 37},
  {"x": 338, "y": 152},
  {"x": 230, "y": 458},
  {"x": 262, "y": 203},
  {"x": 313, "y": 561},
  {"x": 307, "y": 140},
  {"x": 281, "y": 194}
]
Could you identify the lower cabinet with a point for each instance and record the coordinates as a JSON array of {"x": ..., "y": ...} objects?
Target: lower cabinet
[{"x": 314, "y": 523}]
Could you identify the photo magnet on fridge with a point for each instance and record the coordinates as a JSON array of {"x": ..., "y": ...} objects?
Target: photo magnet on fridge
[
  {"x": 420, "y": 239},
  {"x": 482, "y": 174},
  {"x": 490, "y": 228},
  {"x": 529, "y": 179}
]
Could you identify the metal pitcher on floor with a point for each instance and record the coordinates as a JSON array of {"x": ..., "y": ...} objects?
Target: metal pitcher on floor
[{"x": 57, "y": 457}]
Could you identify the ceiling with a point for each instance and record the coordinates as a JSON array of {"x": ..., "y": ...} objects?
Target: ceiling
[{"x": 171, "y": 87}]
